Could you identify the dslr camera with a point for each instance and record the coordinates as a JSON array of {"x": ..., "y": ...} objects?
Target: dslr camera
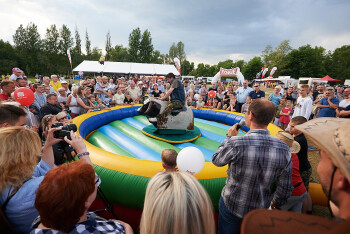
[{"x": 64, "y": 131}]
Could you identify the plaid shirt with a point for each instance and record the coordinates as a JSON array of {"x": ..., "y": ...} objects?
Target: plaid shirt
[
  {"x": 91, "y": 225},
  {"x": 256, "y": 161}
]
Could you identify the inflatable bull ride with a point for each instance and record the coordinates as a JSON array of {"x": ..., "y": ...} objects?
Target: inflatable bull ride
[{"x": 174, "y": 127}]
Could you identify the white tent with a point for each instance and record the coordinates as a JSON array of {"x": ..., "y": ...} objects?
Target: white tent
[{"x": 126, "y": 68}]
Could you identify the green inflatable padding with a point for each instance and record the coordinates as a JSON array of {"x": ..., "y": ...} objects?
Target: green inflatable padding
[
  {"x": 134, "y": 196},
  {"x": 211, "y": 128},
  {"x": 141, "y": 118},
  {"x": 100, "y": 140},
  {"x": 207, "y": 143},
  {"x": 132, "y": 132}
]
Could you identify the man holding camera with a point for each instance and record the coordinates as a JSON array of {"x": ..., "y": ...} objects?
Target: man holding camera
[{"x": 260, "y": 168}]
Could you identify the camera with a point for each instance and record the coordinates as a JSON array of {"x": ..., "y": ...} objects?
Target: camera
[{"x": 64, "y": 131}]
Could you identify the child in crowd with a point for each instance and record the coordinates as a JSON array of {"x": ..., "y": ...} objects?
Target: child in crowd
[
  {"x": 304, "y": 164},
  {"x": 169, "y": 160},
  {"x": 295, "y": 201},
  {"x": 234, "y": 107},
  {"x": 217, "y": 103},
  {"x": 245, "y": 106},
  {"x": 284, "y": 114},
  {"x": 200, "y": 103},
  {"x": 92, "y": 101},
  {"x": 278, "y": 110},
  {"x": 127, "y": 99},
  {"x": 100, "y": 104},
  {"x": 210, "y": 103},
  {"x": 118, "y": 98}
]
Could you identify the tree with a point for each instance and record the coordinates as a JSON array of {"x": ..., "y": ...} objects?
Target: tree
[
  {"x": 187, "y": 67},
  {"x": 108, "y": 46},
  {"x": 180, "y": 51},
  {"x": 134, "y": 45},
  {"x": 146, "y": 48},
  {"x": 87, "y": 44},
  {"x": 8, "y": 57},
  {"x": 96, "y": 53},
  {"x": 228, "y": 64},
  {"x": 239, "y": 63},
  {"x": 306, "y": 62},
  {"x": 119, "y": 54},
  {"x": 28, "y": 44},
  {"x": 66, "y": 40},
  {"x": 252, "y": 67},
  {"x": 77, "y": 48},
  {"x": 51, "y": 39},
  {"x": 20, "y": 38},
  {"x": 341, "y": 63},
  {"x": 277, "y": 57}
]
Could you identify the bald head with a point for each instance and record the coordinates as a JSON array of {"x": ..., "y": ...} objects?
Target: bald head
[{"x": 263, "y": 111}]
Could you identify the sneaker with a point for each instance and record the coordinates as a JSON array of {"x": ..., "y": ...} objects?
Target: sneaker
[{"x": 152, "y": 120}]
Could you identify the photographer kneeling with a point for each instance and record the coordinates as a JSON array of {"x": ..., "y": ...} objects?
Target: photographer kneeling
[{"x": 63, "y": 199}]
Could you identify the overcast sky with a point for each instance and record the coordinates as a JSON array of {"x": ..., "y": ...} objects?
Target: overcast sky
[{"x": 212, "y": 31}]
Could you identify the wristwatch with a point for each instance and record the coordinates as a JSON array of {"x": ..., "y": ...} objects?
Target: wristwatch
[{"x": 82, "y": 154}]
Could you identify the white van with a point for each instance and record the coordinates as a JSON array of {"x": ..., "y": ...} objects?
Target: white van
[{"x": 309, "y": 81}]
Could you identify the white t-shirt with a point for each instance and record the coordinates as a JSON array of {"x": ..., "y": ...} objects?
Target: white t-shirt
[
  {"x": 303, "y": 107},
  {"x": 344, "y": 103},
  {"x": 119, "y": 98}
]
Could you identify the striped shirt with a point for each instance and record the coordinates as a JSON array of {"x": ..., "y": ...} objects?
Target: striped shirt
[{"x": 257, "y": 162}]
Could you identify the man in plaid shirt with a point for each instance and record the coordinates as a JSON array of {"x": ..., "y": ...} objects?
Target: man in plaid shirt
[{"x": 260, "y": 168}]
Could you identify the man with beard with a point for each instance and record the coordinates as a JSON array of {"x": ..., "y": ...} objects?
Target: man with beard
[{"x": 7, "y": 87}]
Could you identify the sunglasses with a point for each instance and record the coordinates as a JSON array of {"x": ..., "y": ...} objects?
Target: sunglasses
[
  {"x": 256, "y": 86},
  {"x": 65, "y": 117}
]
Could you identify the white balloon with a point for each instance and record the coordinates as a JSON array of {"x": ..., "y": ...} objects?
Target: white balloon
[
  {"x": 196, "y": 96},
  {"x": 191, "y": 160}
]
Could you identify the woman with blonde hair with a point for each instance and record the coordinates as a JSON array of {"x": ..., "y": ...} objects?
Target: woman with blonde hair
[
  {"x": 21, "y": 174},
  {"x": 176, "y": 203}
]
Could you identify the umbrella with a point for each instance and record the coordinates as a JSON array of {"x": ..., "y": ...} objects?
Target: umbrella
[{"x": 328, "y": 78}]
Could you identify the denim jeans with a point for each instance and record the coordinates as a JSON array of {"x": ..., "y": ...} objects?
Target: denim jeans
[{"x": 228, "y": 222}]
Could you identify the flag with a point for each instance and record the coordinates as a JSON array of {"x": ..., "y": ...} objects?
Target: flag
[
  {"x": 273, "y": 71},
  {"x": 70, "y": 59},
  {"x": 264, "y": 72},
  {"x": 177, "y": 64}
]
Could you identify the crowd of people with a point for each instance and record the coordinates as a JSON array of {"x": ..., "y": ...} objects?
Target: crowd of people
[{"x": 41, "y": 194}]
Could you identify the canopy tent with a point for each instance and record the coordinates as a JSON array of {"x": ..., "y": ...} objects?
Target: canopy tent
[
  {"x": 328, "y": 78},
  {"x": 126, "y": 68}
]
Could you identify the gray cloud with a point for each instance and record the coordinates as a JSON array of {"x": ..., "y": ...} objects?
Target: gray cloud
[{"x": 211, "y": 30}]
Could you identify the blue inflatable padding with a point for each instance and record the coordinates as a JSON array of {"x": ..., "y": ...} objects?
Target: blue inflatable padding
[
  {"x": 230, "y": 120},
  {"x": 212, "y": 123},
  {"x": 134, "y": 123},
  {"x": 208, "y": 154},
  {"x": 220, "y": 116},
  {"x": 127, "y": 143},
  {"x": 212, "y": 136}
]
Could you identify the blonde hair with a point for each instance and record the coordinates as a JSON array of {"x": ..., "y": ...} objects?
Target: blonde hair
[
  {"x": 20, "y": 149},
  {"x": 180, "y": 202}
]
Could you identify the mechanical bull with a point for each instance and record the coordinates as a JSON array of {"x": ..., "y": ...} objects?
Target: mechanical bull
[{"x": 179, "y": 119}]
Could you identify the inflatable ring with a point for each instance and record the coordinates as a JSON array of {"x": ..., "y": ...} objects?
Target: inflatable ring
[{"x": 124, "y": 179}]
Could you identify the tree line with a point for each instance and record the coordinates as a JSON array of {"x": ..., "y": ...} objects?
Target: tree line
[{"x": 48, "y": 55}]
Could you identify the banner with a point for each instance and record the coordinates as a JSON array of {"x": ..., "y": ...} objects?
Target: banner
[
  {"x": 273, "y": 71},
  {"x": 264, "y": 72},
  {"x": 70, "y": 59},
  {"x": 177, "y": 64},
  {"x": 228, "y": 72}
]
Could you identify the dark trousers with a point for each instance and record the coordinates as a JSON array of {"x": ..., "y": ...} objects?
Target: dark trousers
[{"x": 228, "y": 222}]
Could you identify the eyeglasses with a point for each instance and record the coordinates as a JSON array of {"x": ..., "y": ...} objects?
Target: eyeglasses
[
  {"x": 97, "y": 179},
  {"x": 65, "y": 117},
  {"x": 255, "y": 86}
]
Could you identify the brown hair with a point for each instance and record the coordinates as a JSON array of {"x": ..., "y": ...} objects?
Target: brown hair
[
  {"x": 263, "y": 111},
  {"x": 10, "y": 114},
  {"x": 305, "y": 86},
  {"x": 6, "y": 82},
  {"x": 299, "y": 120},
  {"x": 61, "y": 196},
  {"x": 169, "y": 158}
]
